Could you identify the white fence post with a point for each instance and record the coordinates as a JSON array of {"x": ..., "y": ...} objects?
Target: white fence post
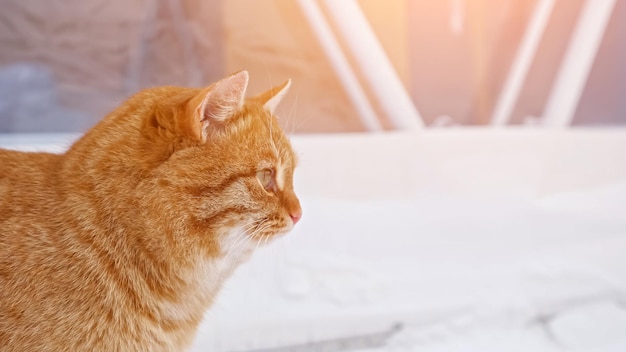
[
  {"x": 579, "y": 58},
  {"x": 340, "y": 64}
]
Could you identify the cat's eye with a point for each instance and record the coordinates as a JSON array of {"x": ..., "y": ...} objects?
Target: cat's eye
[{"x": 266, "y": 178}]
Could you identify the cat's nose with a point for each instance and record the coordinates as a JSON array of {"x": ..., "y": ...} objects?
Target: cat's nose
[{"x": 295, "y": 216}]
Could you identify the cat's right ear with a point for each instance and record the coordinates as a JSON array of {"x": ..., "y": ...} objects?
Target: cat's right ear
[{"x": 217, "y": 103}]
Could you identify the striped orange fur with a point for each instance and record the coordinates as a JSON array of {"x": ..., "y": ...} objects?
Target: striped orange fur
[{"x": 122, "y": 243}]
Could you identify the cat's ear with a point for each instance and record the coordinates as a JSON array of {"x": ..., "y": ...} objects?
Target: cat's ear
[
  {"x": 273, "y": 97},
  {"x": 220, "y": 101}
]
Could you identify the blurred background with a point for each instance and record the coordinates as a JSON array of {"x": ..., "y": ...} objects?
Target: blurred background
[
  {"x": 356, "y": 65},
  {"x": 490, "y": 215}
]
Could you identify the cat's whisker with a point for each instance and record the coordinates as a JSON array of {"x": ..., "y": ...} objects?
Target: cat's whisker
[
  {"x": 269, "y": 75},
  {"x": 302, "y": 122},
  {"x": 245, "y": 244},
  {"x": 247, "y": 227},
  {"x": 270, "y": 121},
  {"x": 264, "y": 237},
  {"x": 267, "y": 239},
  {"x": 239, "y": 240},
  {"x": 256, "y": 246},
  {"x": 252, "y": 224},
  {"x": 272, "y": 139},
  {"x": 289, "y": 115},
  {"x": 258, "y": 228},
  {"x": 243, "y": 234},
  {"x": 251, "y": 230},
  {"x": 291, "y": 120}
]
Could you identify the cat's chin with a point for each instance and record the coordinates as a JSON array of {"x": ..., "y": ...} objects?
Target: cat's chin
[
  {"x": 269, "y": 238},
  {"x": 284, "y": 231}
]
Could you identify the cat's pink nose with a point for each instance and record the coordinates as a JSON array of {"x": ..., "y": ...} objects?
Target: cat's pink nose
[{"x": 295, "y": 216}]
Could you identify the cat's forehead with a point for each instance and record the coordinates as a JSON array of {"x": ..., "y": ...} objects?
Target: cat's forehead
[
  {"x": 278, "y": 154},
  {"x": 269, "y": 134}
]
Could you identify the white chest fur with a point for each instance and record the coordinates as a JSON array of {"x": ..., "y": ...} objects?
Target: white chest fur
[{"x": 209, "y": 275}]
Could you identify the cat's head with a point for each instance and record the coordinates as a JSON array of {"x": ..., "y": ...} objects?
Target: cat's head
[{"x": 229, "y": 166}]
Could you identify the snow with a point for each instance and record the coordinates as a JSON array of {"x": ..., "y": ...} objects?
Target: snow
[{"x": 449, "y": 240}]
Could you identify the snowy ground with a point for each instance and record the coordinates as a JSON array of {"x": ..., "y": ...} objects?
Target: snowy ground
[{"x": 455, "y": 241}]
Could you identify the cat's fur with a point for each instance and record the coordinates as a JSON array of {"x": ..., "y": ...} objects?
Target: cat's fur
[{"x": 121, "y": 243}]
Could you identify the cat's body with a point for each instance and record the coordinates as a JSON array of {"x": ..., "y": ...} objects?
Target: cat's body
[{"x": 122, "y": 243}]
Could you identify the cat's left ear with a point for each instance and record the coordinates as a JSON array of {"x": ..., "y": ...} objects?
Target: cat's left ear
[{"x": 274, "y": 96}]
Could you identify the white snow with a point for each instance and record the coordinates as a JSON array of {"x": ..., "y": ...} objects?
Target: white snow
[{"x": 471, "y": 240}]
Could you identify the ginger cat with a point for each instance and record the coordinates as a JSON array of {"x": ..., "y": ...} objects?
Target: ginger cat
[{"x": 122, "y": 243}]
